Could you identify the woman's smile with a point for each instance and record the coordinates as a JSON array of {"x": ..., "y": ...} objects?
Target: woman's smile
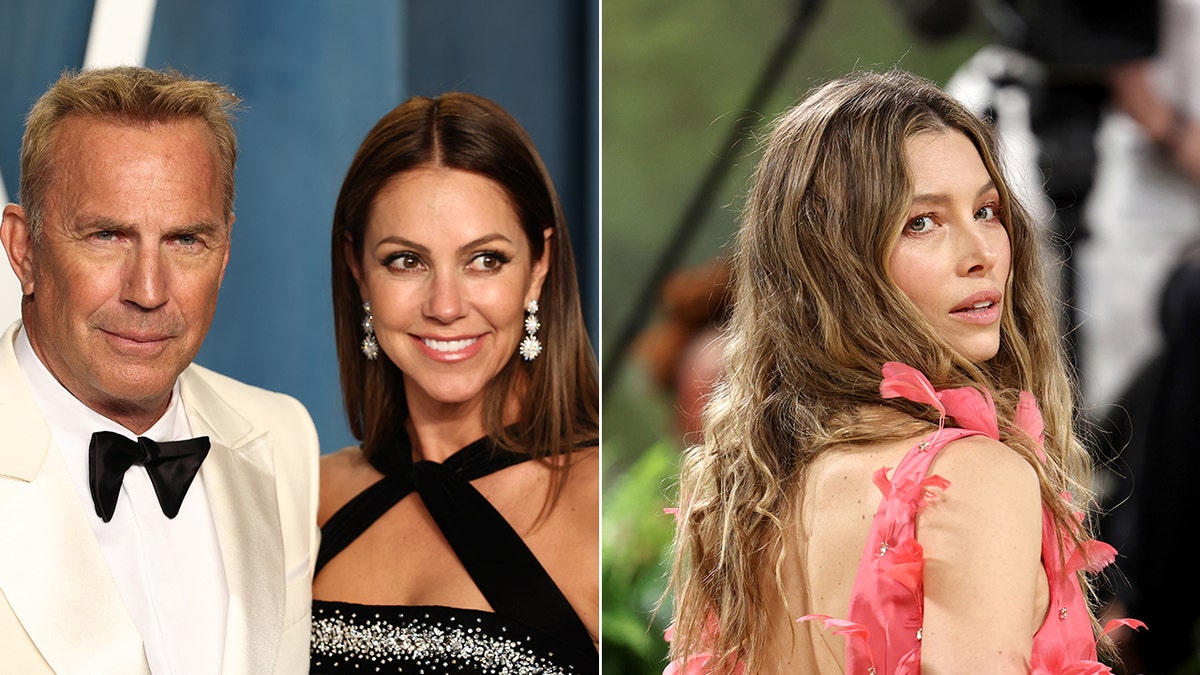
[{"x": 448, "y": 270}]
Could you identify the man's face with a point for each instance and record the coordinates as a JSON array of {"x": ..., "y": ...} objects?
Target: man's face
[{"x": 125, "y": 276}]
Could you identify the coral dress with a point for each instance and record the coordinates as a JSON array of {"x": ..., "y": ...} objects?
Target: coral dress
[
  {"x": 883, "y": 629},
  {"x": 887, "y": 603}
]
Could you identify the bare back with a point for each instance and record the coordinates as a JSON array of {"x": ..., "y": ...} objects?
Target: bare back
[{"x": 830, "y": 530}]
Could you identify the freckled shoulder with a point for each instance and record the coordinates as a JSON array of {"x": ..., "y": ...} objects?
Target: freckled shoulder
[
  {"x": 982, "y": 467},
  {"x": 982, "y": 541},
  {"x": 344, "y": 474}
]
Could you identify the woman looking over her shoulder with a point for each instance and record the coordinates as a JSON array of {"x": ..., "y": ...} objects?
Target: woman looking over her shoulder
[
  {"x": 876, "y": 491},
  {"x": 462, "y": 534}
]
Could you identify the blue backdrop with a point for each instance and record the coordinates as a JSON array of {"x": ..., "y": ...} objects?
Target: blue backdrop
[{"x": 315, "y": 75}]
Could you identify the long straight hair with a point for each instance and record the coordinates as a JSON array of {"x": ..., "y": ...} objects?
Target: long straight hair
[
  {"x": 558, "y": 391},
  {"x": 815, "y": 316}
]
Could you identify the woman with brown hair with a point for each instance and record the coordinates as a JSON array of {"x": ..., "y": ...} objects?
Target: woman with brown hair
[
  {"x": 462, "y": 533},
  {"x": 877, "y": 491}
]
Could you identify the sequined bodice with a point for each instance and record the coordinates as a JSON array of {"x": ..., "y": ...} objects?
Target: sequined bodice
[
  {"x": 364, "y": 638},
  {"x": 533, "y": 629}
]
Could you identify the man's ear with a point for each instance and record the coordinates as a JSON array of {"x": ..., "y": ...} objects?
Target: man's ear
[{"x": 18, "y": 245}]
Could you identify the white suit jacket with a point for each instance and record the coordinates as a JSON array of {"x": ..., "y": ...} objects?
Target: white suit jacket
[{"x": 60, "y": 610}]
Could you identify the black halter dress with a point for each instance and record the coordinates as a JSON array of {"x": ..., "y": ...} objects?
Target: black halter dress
[{"x": 533, "y": 628}]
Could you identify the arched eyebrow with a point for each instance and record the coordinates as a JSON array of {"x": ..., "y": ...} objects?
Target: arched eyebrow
[
  {"x": 483, "y": 241},
  {"x": 940, "y": 198},
  {"x": 465, "y": 248}
]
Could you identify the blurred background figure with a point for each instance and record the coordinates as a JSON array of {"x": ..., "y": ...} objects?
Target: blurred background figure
[
  {"x": 681, "y": 349},
  {"x": 1140, "y": 273},
  {"x": 1153, "y": 516},
  {"x": 1145, "y": 207}
]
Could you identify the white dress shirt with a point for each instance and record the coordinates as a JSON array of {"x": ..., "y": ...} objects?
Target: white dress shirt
[{"x": 169, "y": 571}]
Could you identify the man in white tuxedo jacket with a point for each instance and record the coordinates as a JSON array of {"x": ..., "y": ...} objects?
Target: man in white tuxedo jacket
[{"x": 155, "y": 517}]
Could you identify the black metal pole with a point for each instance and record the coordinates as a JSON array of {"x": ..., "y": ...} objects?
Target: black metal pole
[{"x": 701, "y": 201}]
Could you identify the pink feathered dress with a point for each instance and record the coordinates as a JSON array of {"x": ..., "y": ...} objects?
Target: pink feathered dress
[
  {"x": 883, "y": 629},
  {"x": 887, "y": 603}
]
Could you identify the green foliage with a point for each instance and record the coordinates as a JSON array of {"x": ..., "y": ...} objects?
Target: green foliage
[{"x": 636, "y": 549}]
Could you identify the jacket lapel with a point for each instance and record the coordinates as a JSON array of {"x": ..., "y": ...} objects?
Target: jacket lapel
[
  {"x": 238, "y": 475},
  {"x": 52, "y": 573}
]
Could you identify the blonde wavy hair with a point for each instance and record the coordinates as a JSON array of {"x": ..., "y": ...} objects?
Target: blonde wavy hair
[{"x": 815, "y": 316}]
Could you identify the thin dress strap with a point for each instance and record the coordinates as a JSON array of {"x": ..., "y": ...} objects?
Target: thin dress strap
[{"x": 916, "y": 461}]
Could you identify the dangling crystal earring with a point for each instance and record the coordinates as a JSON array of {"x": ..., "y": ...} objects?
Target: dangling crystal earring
[
  {"x": 530, "y": 346},
  {"x": 370, "y": 347}
]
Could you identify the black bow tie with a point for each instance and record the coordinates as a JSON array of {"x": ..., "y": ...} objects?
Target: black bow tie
[{"x": 172, "y": 467}]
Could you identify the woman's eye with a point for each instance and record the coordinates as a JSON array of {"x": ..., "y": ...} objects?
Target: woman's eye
[
  {"x": 986, "y": 213},
  {"x": 405, "y": 261},
  {"x": 488, "y": 262},
  {"x": 919, "y": 224}
]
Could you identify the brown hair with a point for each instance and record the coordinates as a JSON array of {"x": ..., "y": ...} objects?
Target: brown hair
[
  {"x": 811, "y": 273},
  {"x": 560, "y": 406},
  {"x": 123, "y": 95}
]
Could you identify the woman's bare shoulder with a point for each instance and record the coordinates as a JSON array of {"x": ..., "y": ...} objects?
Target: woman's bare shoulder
[
  {"x": 853, "y": 464},
  {"x": 991, "y": 487},
  {"x": 582, "y": 488},
  {"x": 578, "y": 499},
  {"x": 982, "y": 539},
  {"x": 344, "y": 474},
  {"x": 583, "y": 478},
  {"x": 982, "y": 466}
]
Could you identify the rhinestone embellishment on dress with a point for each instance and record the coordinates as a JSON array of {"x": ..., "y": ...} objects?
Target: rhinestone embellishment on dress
[{"x": 438, "y": 645}]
